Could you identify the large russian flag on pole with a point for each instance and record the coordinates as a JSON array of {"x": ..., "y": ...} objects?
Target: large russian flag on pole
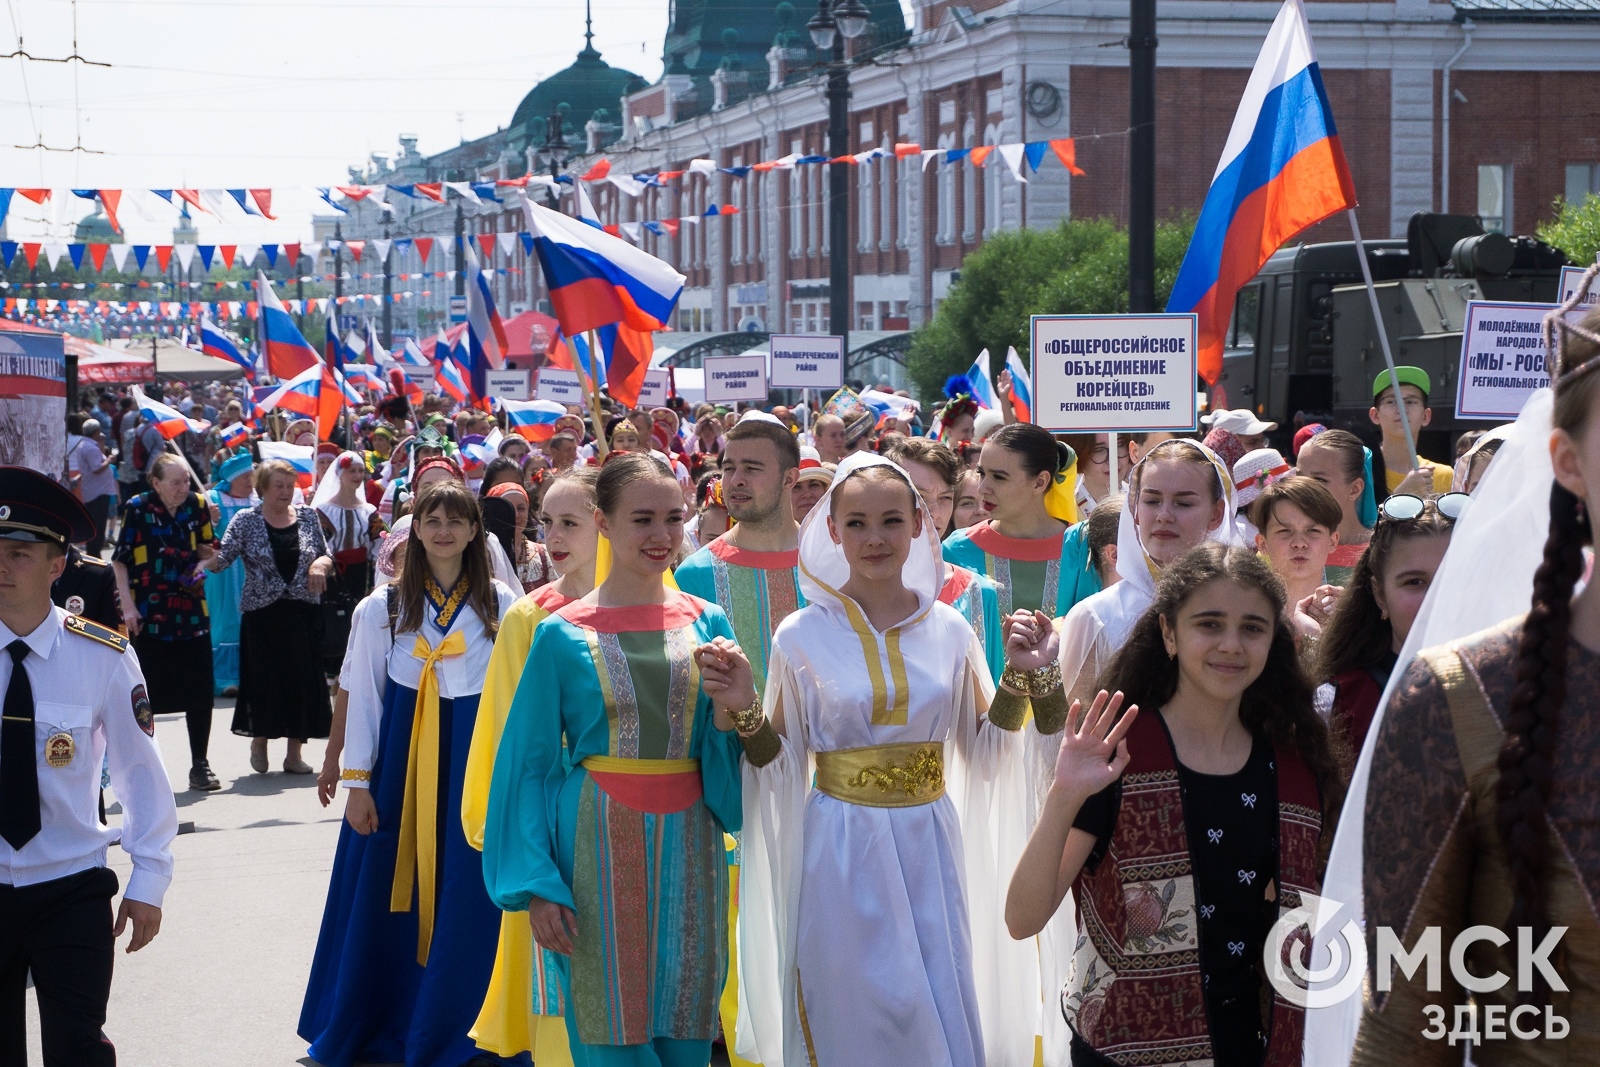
[
  {"x": 533, "y": 420},
  {"x": 596, "y": 279},
  {"x": 486, "y": 333},
  {"x": 287, "y": 352},
  {"x": 1282, "y": 170},
  {"x": 301, "y": 394}
]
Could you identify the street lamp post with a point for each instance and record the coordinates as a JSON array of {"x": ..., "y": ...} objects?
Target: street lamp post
[
  {"x": 830, "y": 27},
  {"x": 388, "y": 286},
  {"x": 556, "y": 152}
]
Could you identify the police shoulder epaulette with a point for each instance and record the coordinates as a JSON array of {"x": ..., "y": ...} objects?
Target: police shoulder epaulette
[
  {"x": 95, "y": 632},
  {"x": 93, "y": 561}
]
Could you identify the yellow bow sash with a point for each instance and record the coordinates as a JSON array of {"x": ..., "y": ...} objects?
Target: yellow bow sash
[
  {"x": 1061, "y": 499},
  {"x": 419, "y": 818}
]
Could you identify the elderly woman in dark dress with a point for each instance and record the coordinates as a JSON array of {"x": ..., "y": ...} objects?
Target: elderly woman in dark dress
[
  {"x": 166, "y": 536},
  {"x": 281, "y": 689}
]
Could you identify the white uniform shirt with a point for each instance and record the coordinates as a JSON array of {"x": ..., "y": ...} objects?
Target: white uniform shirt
[
  {"x": 90, "y": 690},
  {"x": 373, "y": 658}
]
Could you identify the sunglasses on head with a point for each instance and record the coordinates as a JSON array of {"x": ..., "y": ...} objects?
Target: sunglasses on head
[{"x": 1405, "y": 507}]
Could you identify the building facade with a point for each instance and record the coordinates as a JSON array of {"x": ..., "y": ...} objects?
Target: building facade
[{"x": 1487, "y": 107}]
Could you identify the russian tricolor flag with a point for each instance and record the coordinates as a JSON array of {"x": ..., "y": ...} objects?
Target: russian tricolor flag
[
  {"x": 1282, "y": 170},
  {"x": 303, "y": 458},
  {"x": 1021, "y": 391},
  {"x": 301, "y": 394},
  {"x": 534, "y": 420},
  {"x": 170, "y": 421},
  {"x": 596, "y": 279},
  {"x": 236, "y": 436},
  {"x": 982, "y": 384},
  {"x": 215, "y": 343},
  {"x": 287, "y": 352},
  {"x": 452, "y": 383}
]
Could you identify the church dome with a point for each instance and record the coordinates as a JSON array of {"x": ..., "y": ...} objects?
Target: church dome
[
  {"x": 96, "y": 229},
  {"x": 590, "y": 84}
]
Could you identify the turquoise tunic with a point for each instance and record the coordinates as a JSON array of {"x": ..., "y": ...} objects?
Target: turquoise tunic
[
  {"x": 1048, "y": 574},
  {"x": 757, "y": 591},
  {"x": 978, "y": 600},
  {"x": 223, "y": 590},
  {"x": 639, "y": 859}
]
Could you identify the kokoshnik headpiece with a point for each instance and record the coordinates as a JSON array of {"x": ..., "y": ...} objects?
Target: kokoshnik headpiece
[{"x": 1558, "y": 324}]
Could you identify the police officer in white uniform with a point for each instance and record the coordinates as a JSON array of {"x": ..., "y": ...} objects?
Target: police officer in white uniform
[{"x": 73, "y": 694}]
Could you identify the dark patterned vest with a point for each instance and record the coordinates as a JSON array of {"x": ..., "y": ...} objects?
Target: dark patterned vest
[{"x": 1135, "y": 993}]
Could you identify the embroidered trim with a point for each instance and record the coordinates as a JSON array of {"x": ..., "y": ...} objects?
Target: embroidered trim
[
  {"x": 355, "y": 776},
  {"x": 445, "y": 609}
]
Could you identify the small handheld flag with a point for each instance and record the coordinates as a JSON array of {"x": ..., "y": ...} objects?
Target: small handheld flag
[
  {"x": 215, "y": 343},
  {"x": 533, "y": 420},
  {"x": 981, "y": 382},
  {"x": 1021, "y": 389},
  {"x": 170, "y": 421}
]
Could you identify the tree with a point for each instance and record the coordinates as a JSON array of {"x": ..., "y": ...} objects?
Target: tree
[
  {"x": 1576, "y": 229},
  {"x": 1078, "y": 268}
]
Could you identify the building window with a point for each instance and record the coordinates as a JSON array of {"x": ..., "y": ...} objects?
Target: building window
[
  {"x": 993, "y": 167},
  {"x": 864, "y": 315},
  {"x": 1494, "y": 196},
  {"x": 883, "y": 169},
  {"x": 736, "y": 198},
  {"x": 945, "y": 189},
  {"x": 1583, "y": 181},
  {"x": 819, "y": 215},
  {"x": 799, "y": 212},
  {"x": 865, "y": 173}
]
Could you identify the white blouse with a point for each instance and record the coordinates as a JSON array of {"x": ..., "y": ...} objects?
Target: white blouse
[{"x": 373, "y": 659}]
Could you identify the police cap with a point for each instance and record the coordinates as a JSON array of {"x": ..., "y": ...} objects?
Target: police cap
[{"x": 35, "y": 508}]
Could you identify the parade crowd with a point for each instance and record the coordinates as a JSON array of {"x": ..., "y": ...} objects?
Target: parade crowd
[{"x": 833, "y": 736}]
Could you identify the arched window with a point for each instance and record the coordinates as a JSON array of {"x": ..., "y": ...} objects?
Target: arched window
[
  {"x": 970, "y": 177},
  {"x": 993, "y": 174},
  {"x": 946, "y": 191}
]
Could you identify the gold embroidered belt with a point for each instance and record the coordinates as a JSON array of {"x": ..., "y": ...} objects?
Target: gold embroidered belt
[{"x": 883, "y": 776}]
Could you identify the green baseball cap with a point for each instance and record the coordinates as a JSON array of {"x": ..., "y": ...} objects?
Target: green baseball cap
[{"x": 1408, "y": 376}]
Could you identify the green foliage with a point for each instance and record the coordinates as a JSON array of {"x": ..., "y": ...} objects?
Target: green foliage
[
  {"x": 1576, "y": 229},
  {"x": 1078, "y": 268}
]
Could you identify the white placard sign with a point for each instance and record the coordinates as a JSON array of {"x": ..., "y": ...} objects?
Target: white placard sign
[
  {"x": 510, "y": 384},
  {"x": 1570, "y": 277},
  {"x": 1114, "y": 373},
  {"x": 1503, "y": 359},
  {"x": 731, "y": 378},
  {"x": 807, "y": 361},
  {"x": 562, "y": 386},
  {"x": 653, "y": 393}
]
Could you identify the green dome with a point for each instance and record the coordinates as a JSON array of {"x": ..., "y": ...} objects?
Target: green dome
[
  {"x": 589, "y": 85},
  {"x": 96, "y": 230}
]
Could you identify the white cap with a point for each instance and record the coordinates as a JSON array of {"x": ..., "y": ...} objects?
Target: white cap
[{"x": 1241, "y": 422}]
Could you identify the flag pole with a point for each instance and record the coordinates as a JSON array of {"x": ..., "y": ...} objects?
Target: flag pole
[
  {"x": 602, "y": 446},
  {"x": 1383, "y": 337}
]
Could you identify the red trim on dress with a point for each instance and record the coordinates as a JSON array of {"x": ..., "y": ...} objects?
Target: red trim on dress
[
  {"x": 745, "y": 557},
  {"x": 680, "y": 610},
  {"x": 656, "y": 794},
  {"x": 550, "y": 598},
  {"x": 1346, "y": 555},
  {"x": 956, "y": 583},
  {"x": 1021, "y": 549}
]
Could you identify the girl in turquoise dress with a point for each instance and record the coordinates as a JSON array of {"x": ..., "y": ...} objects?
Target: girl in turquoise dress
[
  {"x": 233, "y": 493},
  {"x": 1029, "y": 543},
  {"x": 616, "y": 777}
]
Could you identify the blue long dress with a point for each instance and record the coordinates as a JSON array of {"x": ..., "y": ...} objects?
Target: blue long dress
[{"x": 223, "y": 590}]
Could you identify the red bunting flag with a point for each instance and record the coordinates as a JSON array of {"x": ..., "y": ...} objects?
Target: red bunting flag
[
  {"x": 515, "y": 183},
  {"x": 1066, "y": 150},
  {"x": 227, "y": 257},
  {"x": 905, "y": 148},
  {"x": 38, "y": 196},
  {"x": 671, "y": 226},
  {"x": 668, "y": 175},
  {"x": 192, "y": 198},
  {"x": 109, "y": 199},
  {"x": 263, "y": 199},
  {"x": 424, "y": 245},
  {"x": 980, "y": 154},
  {"x": 31, "y": 250},
  {"x": 163, "y": 256},
  {"x": 613, "y": 229},
  {"x": 97, "y": 255},
  {"x": 728, "y": 209},
  {"x": 293, "y": 252},
  {"x": 432, "y": 190},
  {"x": 486, "y": 242},
  {"x": 354, "y": 192},
  {"x": 844, "y": 159},
  {"x": 356, "y": 248},
  {"x": 596, "y": 172}
]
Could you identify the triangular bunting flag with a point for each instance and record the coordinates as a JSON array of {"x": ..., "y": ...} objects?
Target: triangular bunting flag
[
  {"x": 8, "y": 252},
  {"x": 1012, "y": 154},
  {"x": 119, "y": 255},
  {"x": 1066, "y": 150},
  {"x": 163, "y": 256},
  {"x": 424, "y": 246},
  {"x": 185, "y": 256},
  {"x": 382, "y": 245},
  {"x": 293, "y": 252},
  {"x": 228, "y": 252},
  {"x": 263, "y": 199},
  {"x": 486, "y": 242},
  {"x": 506, "y": 242},
  {"x": 97, "y": 255},
  {"x": 981, "y": 153},
  {"x": 1034, "y": 151},
  {"x": 356, "y": 248},
  {"x": 207, "y": 253},
  {"x": 76, "y": 252},
  {"x": 53, "y": 254},
  {"x": 109, "y": 199},
  {"x": 272, "y": 254}
]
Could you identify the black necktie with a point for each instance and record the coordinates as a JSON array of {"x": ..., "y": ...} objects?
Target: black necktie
[{"x": 19, "y": 758}]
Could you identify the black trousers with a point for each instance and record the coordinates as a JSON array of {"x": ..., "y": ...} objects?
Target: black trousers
[
  {"x": 99, "y": 510},
  {"x": 61, "y": 931}
]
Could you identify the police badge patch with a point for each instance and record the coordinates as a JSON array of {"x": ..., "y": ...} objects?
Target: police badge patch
[
  {"x": 74, "y": 605},
  {"x": 141, "y": 710}
]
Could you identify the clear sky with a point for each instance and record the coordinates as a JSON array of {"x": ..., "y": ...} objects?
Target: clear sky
[{"x": 285, "y": 94}]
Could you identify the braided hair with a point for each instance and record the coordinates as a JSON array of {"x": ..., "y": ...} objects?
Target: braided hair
[{"x": 1533, "y": 722}]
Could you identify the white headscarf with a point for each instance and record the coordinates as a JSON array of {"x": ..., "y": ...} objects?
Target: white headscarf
[
  {"x": 1486, "y": 577},
  {"x": 823, "y": 567},
  {"x": 1134, "y": 565},
  {"x": 328, "y": 488}
]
